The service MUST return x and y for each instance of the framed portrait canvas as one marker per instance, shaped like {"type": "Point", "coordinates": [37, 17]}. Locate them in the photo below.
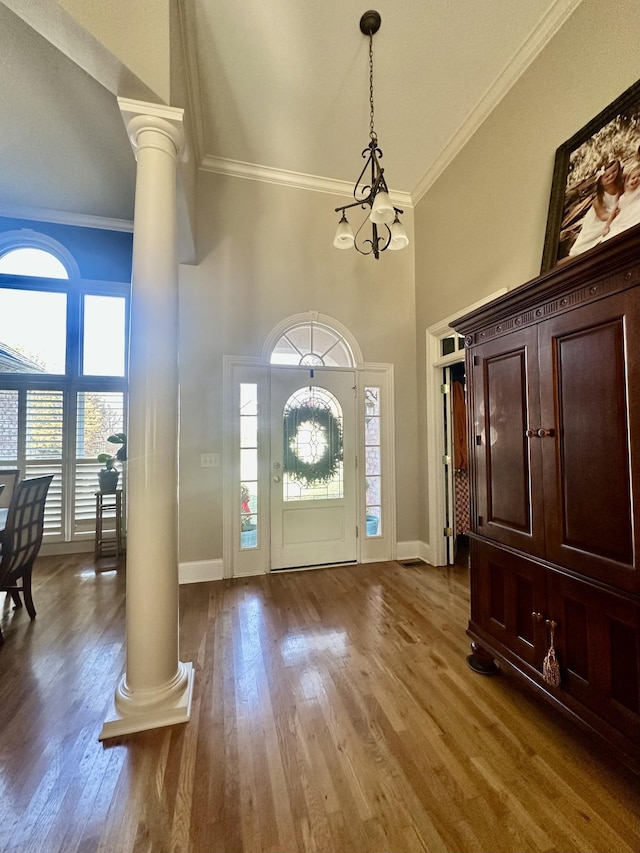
{"type": "Point", "coordinates": [595, 193]}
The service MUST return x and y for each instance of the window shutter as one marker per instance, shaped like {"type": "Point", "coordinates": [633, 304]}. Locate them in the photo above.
{"type": "Point", "coordinates": [8, 428]}
{"type": "Point", "coordinates": [43, 450]}
{"type": "Point", "coordinates": [99, 415]}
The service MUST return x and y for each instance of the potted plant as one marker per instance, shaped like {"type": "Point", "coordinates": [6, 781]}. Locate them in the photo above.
{"type": "Point", "coordinates": [108, 476]}
{"type": "Point", "coordinates": [248, 528]}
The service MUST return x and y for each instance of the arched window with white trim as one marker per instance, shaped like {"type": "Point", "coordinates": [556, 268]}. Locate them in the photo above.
{"type": "Point", "coordinates": [312, 340]}
{"type": "Point", "coordinates": [63, 381]}
{"type": "Point", "coordinates": [312, 345]}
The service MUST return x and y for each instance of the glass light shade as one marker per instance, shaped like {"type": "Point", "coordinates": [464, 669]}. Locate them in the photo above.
{"type": "Point", "coordinates": [399, 239]}
{"type": "Point", "coordinates": [382, 212]}
{"type": "Point", "coordinates": [344, 234]}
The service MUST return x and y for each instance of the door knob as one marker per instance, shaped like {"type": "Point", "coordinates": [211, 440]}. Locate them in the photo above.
{"type": "Point", "coordinates": [544, 433]}
{"type": "Point", "coordinates": [530, 433]}
{"type": "Point", "coordinates": [276, 479]}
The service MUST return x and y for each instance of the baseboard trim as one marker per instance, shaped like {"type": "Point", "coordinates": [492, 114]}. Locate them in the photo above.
{"type": "Point", "coordinates": [200, 571]}
{"type": "Point", "coordinates": [59, 549]}
{"type": "Point", "coordinates": [426, 553]}
{"type": "Point", "coordinates": [413, 550]}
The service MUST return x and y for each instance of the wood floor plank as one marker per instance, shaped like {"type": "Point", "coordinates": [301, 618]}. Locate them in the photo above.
{"type": "Point", "coordinates": [333, 711]}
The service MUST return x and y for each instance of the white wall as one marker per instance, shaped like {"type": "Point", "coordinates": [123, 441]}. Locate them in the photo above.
{"type": "Point", "coordinates": [481, 226]}
{"type": "Point", "coordinates": [137, 33]}
{"type": "Point", "coordinates": [266, 253]}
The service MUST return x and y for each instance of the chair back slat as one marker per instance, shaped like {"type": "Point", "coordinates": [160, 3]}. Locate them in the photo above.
{"type": "Point", "coordinates": [23, 531]}
{"type": "Point", "coordinates": [10, 477]}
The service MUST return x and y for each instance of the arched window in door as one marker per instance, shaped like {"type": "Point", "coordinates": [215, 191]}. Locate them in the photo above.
{"type": "Point", "coordinates": [312, 446]}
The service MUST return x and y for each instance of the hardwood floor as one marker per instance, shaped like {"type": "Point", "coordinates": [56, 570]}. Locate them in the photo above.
{"type": "Point", "coordinates": [333, 711]}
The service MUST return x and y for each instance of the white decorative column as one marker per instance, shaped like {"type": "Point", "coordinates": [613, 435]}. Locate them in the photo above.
{"type": "Point", "coordinates": [156, 688]}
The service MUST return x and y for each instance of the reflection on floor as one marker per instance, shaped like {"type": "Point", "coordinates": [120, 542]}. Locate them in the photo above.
{"type": "Point", "coordinates": [333, 710]}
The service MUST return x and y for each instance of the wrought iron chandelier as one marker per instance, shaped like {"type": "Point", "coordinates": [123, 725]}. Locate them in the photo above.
{"type": "Point", "coordinates": [387, 232]}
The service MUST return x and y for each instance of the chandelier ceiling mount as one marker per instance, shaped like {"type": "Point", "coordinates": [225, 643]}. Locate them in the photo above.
{"type": "Point", "coordinates": [370, 23]}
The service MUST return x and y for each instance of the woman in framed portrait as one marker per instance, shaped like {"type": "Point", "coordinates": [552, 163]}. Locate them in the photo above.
{"type": "Point", "coordinates": [627, 212]}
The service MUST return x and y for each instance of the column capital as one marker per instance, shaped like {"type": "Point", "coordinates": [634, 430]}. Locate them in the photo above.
{"type": "Point", "coordinates": [139, 116]}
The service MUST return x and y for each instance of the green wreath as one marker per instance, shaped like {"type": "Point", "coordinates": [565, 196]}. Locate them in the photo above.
{"type": "Point", "coordinates": [324, 469]}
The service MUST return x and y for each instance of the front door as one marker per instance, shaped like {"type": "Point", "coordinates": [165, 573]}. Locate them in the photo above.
{"type": "Point", "coordinates": [313, 467]}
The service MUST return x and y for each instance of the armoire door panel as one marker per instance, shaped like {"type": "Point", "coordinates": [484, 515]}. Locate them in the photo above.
{"type": "Point", "coordinates": [598, 648]}
{"type": "Point", "coordinates": [588, 464]}
{"type": "Point", "coordinates": [507, 460]}
{"type": "Point", "coordinates": [510, 590]}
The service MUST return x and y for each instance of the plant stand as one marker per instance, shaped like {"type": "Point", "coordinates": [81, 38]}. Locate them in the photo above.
{"type": "Point", "coordinates": [109, 539]}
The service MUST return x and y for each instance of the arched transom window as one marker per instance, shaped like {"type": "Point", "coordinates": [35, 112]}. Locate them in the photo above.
{"type": "Point", "coordinates": [29, 261]}
{"type": "Point", "coordinates": [312, 344]}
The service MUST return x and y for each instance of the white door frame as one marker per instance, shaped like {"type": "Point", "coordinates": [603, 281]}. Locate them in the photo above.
{"type": "Point", "coordinates": [435, 426]}
{"type": "Point", "coordinates": [239, 562]}
{"type": "Point", "coordinates": [447, 445]}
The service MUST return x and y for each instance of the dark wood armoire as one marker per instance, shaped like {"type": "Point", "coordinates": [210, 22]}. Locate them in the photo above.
{"type": "Point", "coordinates": [553, 379]}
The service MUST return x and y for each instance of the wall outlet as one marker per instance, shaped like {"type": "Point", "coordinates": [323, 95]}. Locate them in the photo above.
{"type": "Point", "coordinates": [209, 460]}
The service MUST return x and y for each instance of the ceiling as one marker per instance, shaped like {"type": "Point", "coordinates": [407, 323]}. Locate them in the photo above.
{"type": "Point", "coordinates": [280, 92]}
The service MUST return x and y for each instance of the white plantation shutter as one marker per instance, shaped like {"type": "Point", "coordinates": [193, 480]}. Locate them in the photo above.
{"type": "Point", "coordinates": [99, 414]}
{"type": "Point", "coordinates": [8, 428]}
{"type": "Point", "coordinates": [44, 434]}
{"type": "Point", "coordinates": [44, 427]}
{"type": "Point", "coordinates": [54, 507]}
{"type": "Point", "coordinates": [32, 430]}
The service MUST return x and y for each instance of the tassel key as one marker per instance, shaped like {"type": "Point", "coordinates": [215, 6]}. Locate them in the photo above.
{"type": "Point", "coordinates": [550, 665]}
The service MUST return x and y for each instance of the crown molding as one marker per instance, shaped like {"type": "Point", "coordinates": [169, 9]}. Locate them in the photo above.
{"type": "Point", "coordinates": [547, 27]}
{"type": "Point", "coordinates": [268, 175]}
{"type": "Point", "coordinates": [526, 53]}
{"type": "Point", "coordinates": [61, 217]}
{"type": "Point", "coordinates": [194, 116]}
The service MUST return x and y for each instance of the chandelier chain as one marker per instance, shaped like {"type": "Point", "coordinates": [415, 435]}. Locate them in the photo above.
{"type": "Point", "coordinates": [372, 133]}
{"type": "Point", "coordinates": [370, 190]}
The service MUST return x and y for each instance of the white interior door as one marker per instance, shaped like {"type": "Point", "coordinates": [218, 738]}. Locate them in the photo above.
{"type": "Point", "coordinates": [313, 467]}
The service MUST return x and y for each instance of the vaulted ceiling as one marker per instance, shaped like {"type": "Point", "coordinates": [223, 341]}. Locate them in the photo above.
{"type": "Point", "coordinates": [279, 92]}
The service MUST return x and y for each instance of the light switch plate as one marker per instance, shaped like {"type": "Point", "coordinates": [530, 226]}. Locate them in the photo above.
{"type": "Point", "coordinates": [209, 460]}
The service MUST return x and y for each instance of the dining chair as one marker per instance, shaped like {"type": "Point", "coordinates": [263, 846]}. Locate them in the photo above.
{"type": "Point", "coordinates": [9, 477]}
{"type": "Point", "coordinates": [22, 539]}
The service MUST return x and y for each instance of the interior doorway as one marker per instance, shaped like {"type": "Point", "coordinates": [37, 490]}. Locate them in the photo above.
{"type": "Point", "coordinates": [457, 505]}
{"type": "Point", "coordinates": [444, 348]}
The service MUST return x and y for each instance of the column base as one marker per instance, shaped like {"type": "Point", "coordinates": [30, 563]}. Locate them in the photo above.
{"type": "Point", "coordinates": [177, 710]}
